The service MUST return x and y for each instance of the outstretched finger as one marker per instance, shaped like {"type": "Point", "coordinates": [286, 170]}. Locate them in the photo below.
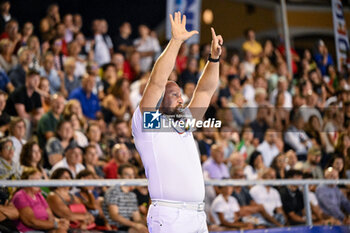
{"type": "Point", "coordinates": [184, 20]}
{"type": "Point", "coordinates": [171, 19]}
{"type": "Point", "coordinates": [213, 34]}
{"type": "Point", "coordinates": [178, 17]}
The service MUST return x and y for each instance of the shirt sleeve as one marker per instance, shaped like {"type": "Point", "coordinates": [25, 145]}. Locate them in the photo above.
{"type": "Point", "coordinates": [344, 202]}
{"type": "Point", "coordinates": [327, 204]}
{"type": "Point", "coordinates": [20, 201]}
{"type": "Point", "coordinates": [218, 206]}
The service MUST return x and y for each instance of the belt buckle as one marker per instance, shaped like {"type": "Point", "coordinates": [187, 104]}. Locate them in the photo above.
{"type": "Point", "coordinates": [200, 207]}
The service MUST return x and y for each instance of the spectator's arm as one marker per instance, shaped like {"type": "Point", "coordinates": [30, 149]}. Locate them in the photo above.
{"type": "Point", "coordinates": [344, 202]}
{"type": "Point", "coordinates": [10, 87]}
{"type": "Point", "coordinates": [114, 214]}
{"type": "Point", "coordinates": [330, 208]}
{"type": "Point", "coordinates": [165, 63]}
{"type": "Point", "coordinates": [21, 111]}
{"type": "Point", "coordinates": [295, 218]}
{"type": "Point", "coordinates": [8, 211]}
{"type": "Point", "coordinates": [27, 216]}
{"type": "Point", "coordinates": [235, 224]}
{"type": "Point", "coordinates": [208, 82]}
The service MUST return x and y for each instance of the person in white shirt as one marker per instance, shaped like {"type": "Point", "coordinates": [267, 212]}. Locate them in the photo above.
{"type": "Point", "coordinates": [268, 147]}
{"type": "Point", "coordinates": [102, 51]}
{"type": "Point", "coordinates": [17, 130]}
{"type": "Point", "coordinates": [269, 197]}
{"type": "Point", "coordinates": [72, 155]}
{"type": "Point", "coordinates": [171, 159]}
{"type": "Point", "coordinates": [225, 210]}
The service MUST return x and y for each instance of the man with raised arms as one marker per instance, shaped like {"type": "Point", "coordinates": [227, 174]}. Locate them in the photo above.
{"type": "Point", "coordinates": [171, 159]}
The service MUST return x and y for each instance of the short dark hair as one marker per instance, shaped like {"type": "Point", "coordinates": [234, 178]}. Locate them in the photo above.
{"type": "Point", "coordinates": [291, 173]}
{"type": "Point", "coordinates": [124, 166]}
{"type": "Point", "coordinates": [84, 173]}
{"type": "Point", "coordinates": [32, 72]}
{"type": "Point", "coordinates": [56, 174]}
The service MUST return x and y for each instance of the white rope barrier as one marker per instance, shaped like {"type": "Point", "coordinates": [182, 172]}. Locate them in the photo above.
{"type": "Point", "coordinates": [143, 182]}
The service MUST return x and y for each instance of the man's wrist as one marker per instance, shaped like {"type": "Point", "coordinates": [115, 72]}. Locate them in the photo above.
{"type": "Point", "coordinates": [213, 58]}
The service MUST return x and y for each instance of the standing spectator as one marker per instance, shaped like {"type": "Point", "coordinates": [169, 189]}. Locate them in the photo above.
{"type": "Point", "coordinates": [120, 156]}
{"type": "Point", "coordinates": [122, 42]}
{"type": "Point", "coordinates": [215, 166]}
{"type": "Point", "coordinates": [74, 49]}
{"type": "Point", "coordinates": [323, 58]}
{"type": "Point", "coordinates": [106, 37]}
{"type": "Point", "coordinates": [70, 27]}
{"type": "Point", "coordinates": [17, 131]}
{"type": "Point", "coordinates": [120, 205]}
{"type": "Point", "coordinates": [48, 23]}
{"type": "Point", "coordinates": [18, 74]}
{"type": "Point", "coordinates": [72, 156]}
{"type": "Point", "coordinates": [5, 14]}
{"type": "Point", "coordinates": [102, 52]}
{"type": "Point", "coordinates": [25, 101]}
{"type": "Point", "coordinates": [147, 46]}
{"type": "Point", "coordinates": [332, 201]}
{"type": "Point", "coordinates": [252, 46]}
{"type": "Point", "coordinates": [8, 169]}
{"type": "Point", "coordinates": [48, 122]}
{"type": "Point", "coordinates": [268, 147]}
{"type": "Point", "coordinates": [88, 100]}
{"type": "Point", "coordinates": [11, 33]}
{"type": "Point", "coordinates": [27, 32]}
{"type": "Point", "coordinates": [34, 212]}
{"type": "Point", "coordinates": [292, 199]}
{"type": "Point", "coordinates": [268, 196]}
{"type": "Point", "coordinates": [7, 59]}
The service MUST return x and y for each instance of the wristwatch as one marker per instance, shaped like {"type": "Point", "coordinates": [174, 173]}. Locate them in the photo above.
{"type": "Point", "coordinates": [55, 224]}
{"type": "Point", "coordinates": [212, 59]}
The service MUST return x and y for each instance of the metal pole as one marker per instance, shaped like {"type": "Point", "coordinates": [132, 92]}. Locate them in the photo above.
{"type": "Point", "coordinates": [307, 205]}
{"type": "Point", "coordinates": [286, 36]}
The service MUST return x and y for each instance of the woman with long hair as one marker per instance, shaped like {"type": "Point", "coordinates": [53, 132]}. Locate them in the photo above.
{"type": "Point", "coordinates": [31, 157]}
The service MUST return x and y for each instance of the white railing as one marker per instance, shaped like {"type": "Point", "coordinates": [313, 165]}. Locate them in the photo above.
{"type": "Point", "coordinates": [143, 182]}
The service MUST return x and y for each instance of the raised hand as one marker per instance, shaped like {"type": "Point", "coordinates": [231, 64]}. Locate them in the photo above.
{"type": "Point", "coordinates": [216, 44]}
{"type": "Point", "coordinates": [178, 27]}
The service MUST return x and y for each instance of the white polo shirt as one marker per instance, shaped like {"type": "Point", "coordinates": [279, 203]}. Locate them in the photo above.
{"type": "Point", "coordinates": [171, 162]}
{"type": "Point", "coordinates": [270, 199]}
{"type": "Point", "coordinates": [228, 208]}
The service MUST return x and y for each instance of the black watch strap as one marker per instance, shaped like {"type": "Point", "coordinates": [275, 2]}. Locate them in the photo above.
{"type": "Point", "coordinates": [212, 59]}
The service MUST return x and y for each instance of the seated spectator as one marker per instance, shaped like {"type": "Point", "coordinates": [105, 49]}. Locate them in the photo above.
{"type": "Point", "coordinates": [71, 81]}
{"type": "Point", "coordinates": [291, 159]}
{"type": "Point", "coordinates": [117, 103]}
{"type": "Point", "coordinates": [30, 157]}
{"type": "Point", "coordinates": [215, 166]}
{"type": "Point", "coordinates": [90, 159]}
{"type": "Point", "coordinates": [279, 165]}
{"type": "Point", "coordinates": [71, 160]}
{"type": "Point", "coordinates": [332, 201]}
{"type": "Point", "coordinates": [48, 122]}
{"type": "Point", "coordinates": [79, 132]}
{"type": "Point", "coordinates": [65, 205]}
{"type": "Point", "coordinates": [94, 134]}
{"type": "Point", "coordinates": [56, 45]}
{"type": "Point", "coordinates": [56, 145]}
{"type": "Point", "coordinates": [93, 71]}
{"type": "Point", "coordinates": [122, 42]}
{"type": "Point", "coordinates": [120, 155]}
{"type": "Point", "coordinates": [17, 131]}
{"type": "Point", "coordinates": [54, 76]}
{"type": "Point", "coordinates": [74, 49]}
{"type": "Point", "coordinates": [292, 199]}
{"type": "Point", "coordinates": [4, 117]}
{"type": "Point", "coordinates": [269, 197]}
{"type": "Point", "coordinates": [7, 59]}
{"type": "Point", "coordinates": [44, 91]}
{"type": "Point", "coordinates": [190, 74]}
{"type": "Point", "coordinates": [268, 147]}
{"type": "Point", "coordinates": [17, 74]}
{"type": "Point", "coordinates": [73, 106]}
{"type": "Point", "coordinates": [255, 167]}
{"type": "Point", "coordinates": [142, 194]}
{"type": "Point", "coordinates": [323, 58]}
{"type": "Point", "coordinates": [120, 205]}
{"type": "Point", "coordinates": [311, 165]}
{"type": "Point", "coordinates": [5, 84]}
{"type": "Point", "coordinates": [263, 121]}
{"type": "Point", "coordinates": [8, 213]}
{"type": "Point", "coordinates": [245, 146]}
{"type": "Point", "coordinates": [89, 197]}
{"type": "Point", "coordinates": [8, 168]}
{"type": "Point", "coordinates": [88, 100]}
{"type": "Point", "coordinates": [249, 209]}
{"type": "Point", "coordinates": [296, 138]}
{"type": "Point", "coordinates": [34, 212]}
{"type": "Point", "coordinates": [225, 210]}
{"type": "Point", "coordinates": [25, 101]}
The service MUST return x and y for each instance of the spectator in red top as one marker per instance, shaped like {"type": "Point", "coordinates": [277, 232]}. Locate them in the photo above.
{"type": "Point", "coordinates": [295, 57]}
{"type": "Point", "coordinates": [11, 33]}
{"type": "Point", "coordinates": [181, 60]}
{"type": "Point", "coordinates": [120, 155]}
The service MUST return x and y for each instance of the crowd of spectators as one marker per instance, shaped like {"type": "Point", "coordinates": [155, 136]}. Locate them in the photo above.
{"type": "Point", "coordinates": [66, 102]}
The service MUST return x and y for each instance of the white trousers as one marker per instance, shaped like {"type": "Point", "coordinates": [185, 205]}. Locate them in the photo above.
{"type": "Point", "coordinates": [175, 220]}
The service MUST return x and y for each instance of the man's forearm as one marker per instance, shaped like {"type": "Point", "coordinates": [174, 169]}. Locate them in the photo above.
{"type": "Point", "coordinates": [165, 63]}
{"type": "Point", "coordinates": [209, 80]}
